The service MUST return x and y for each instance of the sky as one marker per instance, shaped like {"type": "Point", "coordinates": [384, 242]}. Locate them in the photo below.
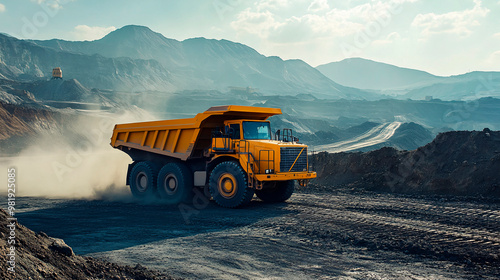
{"type": "Point", "coordinates": [445, 37]}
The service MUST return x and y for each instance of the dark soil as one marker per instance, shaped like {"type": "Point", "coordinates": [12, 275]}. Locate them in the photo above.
{"type": "Point", "coordinates": [455, 163]}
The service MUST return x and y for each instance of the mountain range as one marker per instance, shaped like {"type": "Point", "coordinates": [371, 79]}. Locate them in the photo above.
{"type": "Point", "coordinates": [406, 83]}
{"type": "Point", "coordinates": [137, 59]}
{"type": "Point", "coordinates": [134, 58]}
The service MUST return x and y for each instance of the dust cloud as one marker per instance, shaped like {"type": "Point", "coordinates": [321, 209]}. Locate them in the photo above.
{"type": "Point", "coordinates": [76, 163]}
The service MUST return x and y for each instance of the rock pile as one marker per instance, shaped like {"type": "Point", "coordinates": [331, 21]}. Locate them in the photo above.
{"type": "Point", "coordinates": [455, 163]}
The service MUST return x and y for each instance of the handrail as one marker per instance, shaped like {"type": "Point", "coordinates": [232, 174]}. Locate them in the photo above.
{"type": "Point", "coordinates": [247, 152]}
{"type": "Point", "coordinates": [287, 134]}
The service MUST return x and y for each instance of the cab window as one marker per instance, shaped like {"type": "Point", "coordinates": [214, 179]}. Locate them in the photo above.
{"type": "Point", "coordinates": [257, 130]}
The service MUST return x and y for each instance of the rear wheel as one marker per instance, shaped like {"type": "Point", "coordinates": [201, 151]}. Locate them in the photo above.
{"type": "Point", "coordinates": [281, 192]}
{"type": "Point", "coordinates": [142, 179]}
{"type": "Point", "coordinates": [175, 183]}
{"type": "Point", "coordinates": [228, 185]}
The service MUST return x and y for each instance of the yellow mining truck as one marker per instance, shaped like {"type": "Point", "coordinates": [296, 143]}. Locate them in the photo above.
{"type": "Point", "coordinates": [228, 150]}
{"type": "Point", "coordinates": [57, 73]}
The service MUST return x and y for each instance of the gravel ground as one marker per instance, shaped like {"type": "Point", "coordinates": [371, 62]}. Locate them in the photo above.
{"type": "Point", "coordinates": [317, 234]}
{"type": "Point", "coordinates": [29, 255]}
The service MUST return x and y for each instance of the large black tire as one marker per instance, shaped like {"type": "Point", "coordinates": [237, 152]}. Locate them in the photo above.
{"type": "Point", "coordinates": [175, 183]}
{"type": "Point", "coordinates": [281, 192]}
{"type": "Point", "coordinates": [228, 185]}
{"type": "Point", "coordinates": [142, 179]}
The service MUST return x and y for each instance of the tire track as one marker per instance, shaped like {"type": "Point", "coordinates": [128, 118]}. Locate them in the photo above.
{"type": "Point", "coordinates": [447, 231]}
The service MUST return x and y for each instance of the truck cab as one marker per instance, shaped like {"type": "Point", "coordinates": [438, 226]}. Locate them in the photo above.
{"type": "Point", "coordinates": [268, 156]}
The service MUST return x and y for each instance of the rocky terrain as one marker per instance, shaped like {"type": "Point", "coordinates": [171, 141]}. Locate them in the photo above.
{"type": "Point", "coordinates": [455, 163]}
{"type": "Point", "coordinates": [38, 256]}
{"type": "Point", "coordinates": [328, 233]}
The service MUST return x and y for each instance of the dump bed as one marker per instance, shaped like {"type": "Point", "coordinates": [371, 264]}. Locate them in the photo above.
{"type": "Point", "coordinates": [183, 138]}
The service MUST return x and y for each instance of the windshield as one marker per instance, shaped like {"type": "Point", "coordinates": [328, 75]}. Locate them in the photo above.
{"type": "Point", "coordinates": [256, 130]}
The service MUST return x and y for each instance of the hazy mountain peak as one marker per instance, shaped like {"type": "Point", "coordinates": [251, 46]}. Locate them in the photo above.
{"type": "Point", "coordinates": [135, 28]}
{"type": "Point", "coordinates": [368, 74]}
{"type": "Point", "coordinates": [134, 33]}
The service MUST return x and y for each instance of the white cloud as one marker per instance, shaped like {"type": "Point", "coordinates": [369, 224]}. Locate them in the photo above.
{"type": "Point", "coordinates": [318, 6]}
{"type": "Point", "coordinates": [332, 23]}
{"type": "Point", "coordinates": [2, 8]}
{"type": "Point", "coordinates": [53, 4]}
{"type": "Point", "coordinates": [258, 23]}
{"type": "Point", "coordinates": [457, 23]}
{"type": "Point", "coordinates": [265, 25]}
{"type": "Point", "coordinates": [89, 33]}
{"type": "Point", "coordinates": [264, 5]}
{"type": "Point", "coordinates": [497, 35]}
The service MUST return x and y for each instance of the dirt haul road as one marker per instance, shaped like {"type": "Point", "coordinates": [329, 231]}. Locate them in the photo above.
{"type": "Point", "coordinates": [374, 136]}
{"type": "Point", "coordinates": [316, 235]}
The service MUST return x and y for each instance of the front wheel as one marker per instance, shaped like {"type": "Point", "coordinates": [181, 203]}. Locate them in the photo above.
{"type": "Point", "coordinates": [281, 192]}
{"type": "Point", "coordinates": [228, 185]}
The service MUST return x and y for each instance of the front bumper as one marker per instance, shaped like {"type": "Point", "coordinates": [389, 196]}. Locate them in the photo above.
{"type": "Point", "coordinates": [285, 176]}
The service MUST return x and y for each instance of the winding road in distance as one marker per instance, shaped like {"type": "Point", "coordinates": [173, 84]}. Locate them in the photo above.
{"type": "Point", "coordinates": [374, 136]}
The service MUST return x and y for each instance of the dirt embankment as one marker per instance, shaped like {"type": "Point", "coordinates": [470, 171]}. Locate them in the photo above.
{"type": "Point", "coordinates": [10, 124]}
{"type": "Point", "coordinates": [455, 163]}
{"type": "Point", "coordinates": [38, 256]}
{"type": "Point", "coordinates": [20, 124]}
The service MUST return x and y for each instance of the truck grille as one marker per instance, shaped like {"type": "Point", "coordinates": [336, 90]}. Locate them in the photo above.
{"type": "Point", "coordinates": [288, 156]}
